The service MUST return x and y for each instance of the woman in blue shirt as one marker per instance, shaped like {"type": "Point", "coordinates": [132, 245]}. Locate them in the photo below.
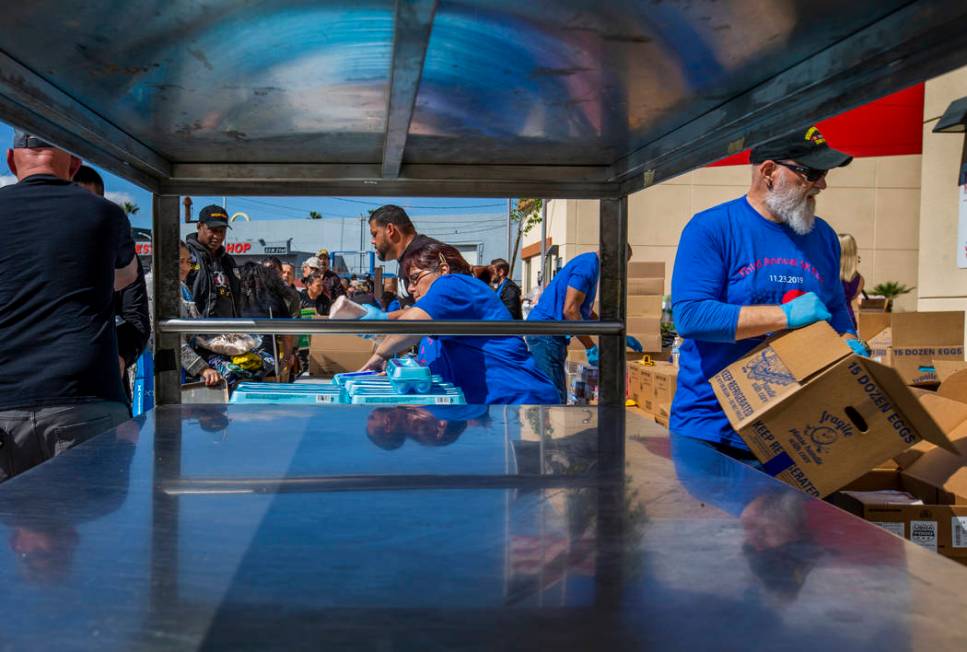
{"type": "Point", "coordinates": [488, 369]}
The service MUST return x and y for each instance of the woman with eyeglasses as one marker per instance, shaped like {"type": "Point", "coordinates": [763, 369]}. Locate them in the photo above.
{"type": "Point", "coordinates": [489, 369]}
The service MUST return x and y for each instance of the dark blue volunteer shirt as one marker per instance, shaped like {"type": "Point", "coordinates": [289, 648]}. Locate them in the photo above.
{"type": "Point", "coordinates": [487, 369]}
{"type": "Point", "coordinates": [59, 247]}
{"type": "Point", "coordinates": [582, 275]}
{"type": "Point", "coordinates": [728, 257]}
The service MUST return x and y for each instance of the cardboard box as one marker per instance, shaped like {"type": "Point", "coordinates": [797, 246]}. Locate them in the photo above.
{"type": "Point", "coordinates": [881, 346]}
{"type": "Point", "coordinates": [336, 354]}
{"type": "Point", "coordinates": [947, 368]}
{"type": "Point", "coordinates": [646, 390]}
{"type": "Point", "coordinates": [954, 386]}
{"type": "Point", "coordinates": [650, 342]}
{"type": "Point", "coordinates": [666, 382]}
{"type": "Point", "coordinates": [818, 416]}
{"type": "Point", "coordinates": [939, 523]}
{"type": "Point", "coordinates": [646, 286]}
{"type": "Point", "coordinates": [646, 269]}
{"type": "Point", "coordinates": [644, 306]}
{"type": "Point", "coordinates": [871, 324]}
{"type": "Point", "coordinates": [650, 325]}
{"type": "Point", "coordinates": [919, 338]}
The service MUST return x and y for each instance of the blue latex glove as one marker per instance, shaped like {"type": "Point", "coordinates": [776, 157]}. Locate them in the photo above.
{"type": "Point", "coordinates": [373, 313]}
{"type": "Point", "coordinates": [805, 310]}
{"type": "Point", "coordinates": [634, 344]}
{"type": "Point", "coordinates": [593, 355]}
{"type": "Point", "coordinates": [858, 348]}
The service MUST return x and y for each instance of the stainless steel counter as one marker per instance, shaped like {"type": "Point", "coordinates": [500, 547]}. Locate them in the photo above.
{"type": "Point", "coordinates": [205, 527]}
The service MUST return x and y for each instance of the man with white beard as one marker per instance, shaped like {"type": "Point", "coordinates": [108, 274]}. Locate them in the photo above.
{"type": "Point", "coordinates": [750, 267]}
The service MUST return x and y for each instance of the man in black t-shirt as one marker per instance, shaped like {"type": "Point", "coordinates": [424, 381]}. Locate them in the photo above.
{"type": "Point", "coordinates": [213, 278]}
{"type": "Point", "coordinates": [59, 378]}
{"type": "Point", "coordinates": [395, 238]}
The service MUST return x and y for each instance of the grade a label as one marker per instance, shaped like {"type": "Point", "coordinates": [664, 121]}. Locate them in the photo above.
{"type": "Point", "coordinates": [958, 530]}
{"type": "Point", "coordinates": [924, 533]}
{"type": "Point", "coordinates": [894, 528]}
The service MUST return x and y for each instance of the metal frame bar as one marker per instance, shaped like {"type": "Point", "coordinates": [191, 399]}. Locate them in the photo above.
{"type": "Point", "coordinates": [322, 484]}
{"type": "Point", "coordinates": [921, 40]}
{"type": "Point", "coordinates": [558, 181]}
{"type": "Point", "coordinates": [34, 103]}
{"type": "Point", "coordinates": [167, 295]}
{"type": "Point", "coordinates": [394, 327]}
{"type": "Point", "coordinates": [613, 228]}
{"type": "Point", "coordinates": [414, 20]}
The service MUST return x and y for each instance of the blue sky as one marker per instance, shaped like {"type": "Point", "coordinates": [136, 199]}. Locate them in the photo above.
{"type": "Point", "coordinates": [269, 208]}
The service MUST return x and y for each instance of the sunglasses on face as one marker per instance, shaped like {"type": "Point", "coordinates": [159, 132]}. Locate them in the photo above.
{"type": "Point", "coordinates": [812, 175]}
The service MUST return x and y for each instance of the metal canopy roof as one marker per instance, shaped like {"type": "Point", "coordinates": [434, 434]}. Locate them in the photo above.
{"type": "Point", "coordinates": [567, 98]}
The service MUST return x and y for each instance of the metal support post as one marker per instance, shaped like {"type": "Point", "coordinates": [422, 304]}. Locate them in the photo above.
{"type": "Point", "coordinates": [614, 273]}
{"type": "Point", "coordinates": [541, 276]}
{"type": "Point", "coordinates": [167, 294]}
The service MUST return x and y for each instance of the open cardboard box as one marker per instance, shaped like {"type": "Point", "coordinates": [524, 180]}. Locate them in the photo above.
{"type": "Point", "coordinates": [920, 338]}
{"type": "Point", "coordinates": [936, 477]}
{"type": "Point", "coordinates": [818, 416]}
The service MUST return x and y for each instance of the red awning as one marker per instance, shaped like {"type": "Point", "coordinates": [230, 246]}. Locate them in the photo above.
{"type": "Point", "coordinates": [890, 126]}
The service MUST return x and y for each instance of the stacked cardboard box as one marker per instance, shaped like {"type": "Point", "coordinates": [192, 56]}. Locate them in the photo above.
{"type": "Point", "coordinates": [666, 382]}
{"type": "Point", "coordinates": [652, 387]}
{"type": "Point", "coordinates": [818, 416]}
{"type": "Point", "coordinates": [646, 287]}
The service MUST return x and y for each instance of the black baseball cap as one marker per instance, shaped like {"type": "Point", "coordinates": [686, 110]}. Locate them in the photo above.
{"type": "Point", "coordinates": [213, 216]}
{"type": "Point", "coordinates": [804, 146]}
{"type": "Point", "coordinates": [23, 140]}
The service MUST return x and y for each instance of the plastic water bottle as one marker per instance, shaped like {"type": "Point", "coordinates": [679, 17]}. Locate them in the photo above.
{"type": "Point", "coordinates": [676, 346]}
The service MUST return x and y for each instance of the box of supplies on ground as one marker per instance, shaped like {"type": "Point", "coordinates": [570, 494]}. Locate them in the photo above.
{"type": "Point", "coordinates": [666, 382]}
{"type": "Point", "coordinates": [818, 416]}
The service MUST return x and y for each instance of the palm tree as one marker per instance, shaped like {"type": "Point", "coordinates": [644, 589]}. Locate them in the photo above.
{"type": "Point", "coordinates": [890, 291]}
{"type": "Point", "coordinates": [130, 208]}
{"type": "Point", "coordinates": [315, 215]}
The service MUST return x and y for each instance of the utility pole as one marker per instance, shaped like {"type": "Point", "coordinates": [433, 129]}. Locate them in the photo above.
{"type": "Point", "coordinates": [509, 245]}
{"type": "Point", "coordinates": [540, 274]}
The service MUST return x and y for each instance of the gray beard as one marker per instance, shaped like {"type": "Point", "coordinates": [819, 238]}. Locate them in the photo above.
{"type": "Point", "coordinates": [797, 212]}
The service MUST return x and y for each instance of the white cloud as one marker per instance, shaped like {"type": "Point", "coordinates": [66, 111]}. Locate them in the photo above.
{"type": "Point", "coordinates": [7, 180]}
{"type": "Point", "coordinates": [119, 197]}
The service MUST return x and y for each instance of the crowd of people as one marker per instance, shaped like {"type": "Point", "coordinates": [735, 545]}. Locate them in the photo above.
{"type": "Point", "coordinates": [760, 264]}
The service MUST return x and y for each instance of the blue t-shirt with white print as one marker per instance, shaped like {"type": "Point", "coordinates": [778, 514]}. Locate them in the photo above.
{"type": "Point", "coordinates": [730, 256]}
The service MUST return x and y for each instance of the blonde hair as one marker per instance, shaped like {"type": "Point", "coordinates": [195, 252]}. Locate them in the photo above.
{"type": "Point", "coordinates": [848, 257]}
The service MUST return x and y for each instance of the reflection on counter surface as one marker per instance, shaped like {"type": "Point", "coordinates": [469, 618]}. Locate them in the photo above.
{"type": "Point", "coordinates": [360, 528]}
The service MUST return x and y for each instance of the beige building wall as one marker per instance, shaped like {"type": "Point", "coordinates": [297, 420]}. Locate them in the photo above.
{"type": "Point", "coordinates": [875, 199]}
{"type": "Point", "coordinates": [943, 286]}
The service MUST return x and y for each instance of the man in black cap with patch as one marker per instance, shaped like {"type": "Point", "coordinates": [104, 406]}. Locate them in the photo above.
{"type": "Point", "coordinates": [213, 279]}
{"type": "Point", "coordinates": [753, 266]}
{"type": "Point", "coordinates": [60, 383]}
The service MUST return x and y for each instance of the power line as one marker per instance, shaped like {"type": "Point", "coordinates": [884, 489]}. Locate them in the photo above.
{"type": "Point", "coordinates": [302, 212]}
{"type": "Point", "coordinates": [372, 203]}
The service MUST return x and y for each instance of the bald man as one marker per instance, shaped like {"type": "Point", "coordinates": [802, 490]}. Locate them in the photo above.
{"type": "Point", "coordinates": [65, 251]}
